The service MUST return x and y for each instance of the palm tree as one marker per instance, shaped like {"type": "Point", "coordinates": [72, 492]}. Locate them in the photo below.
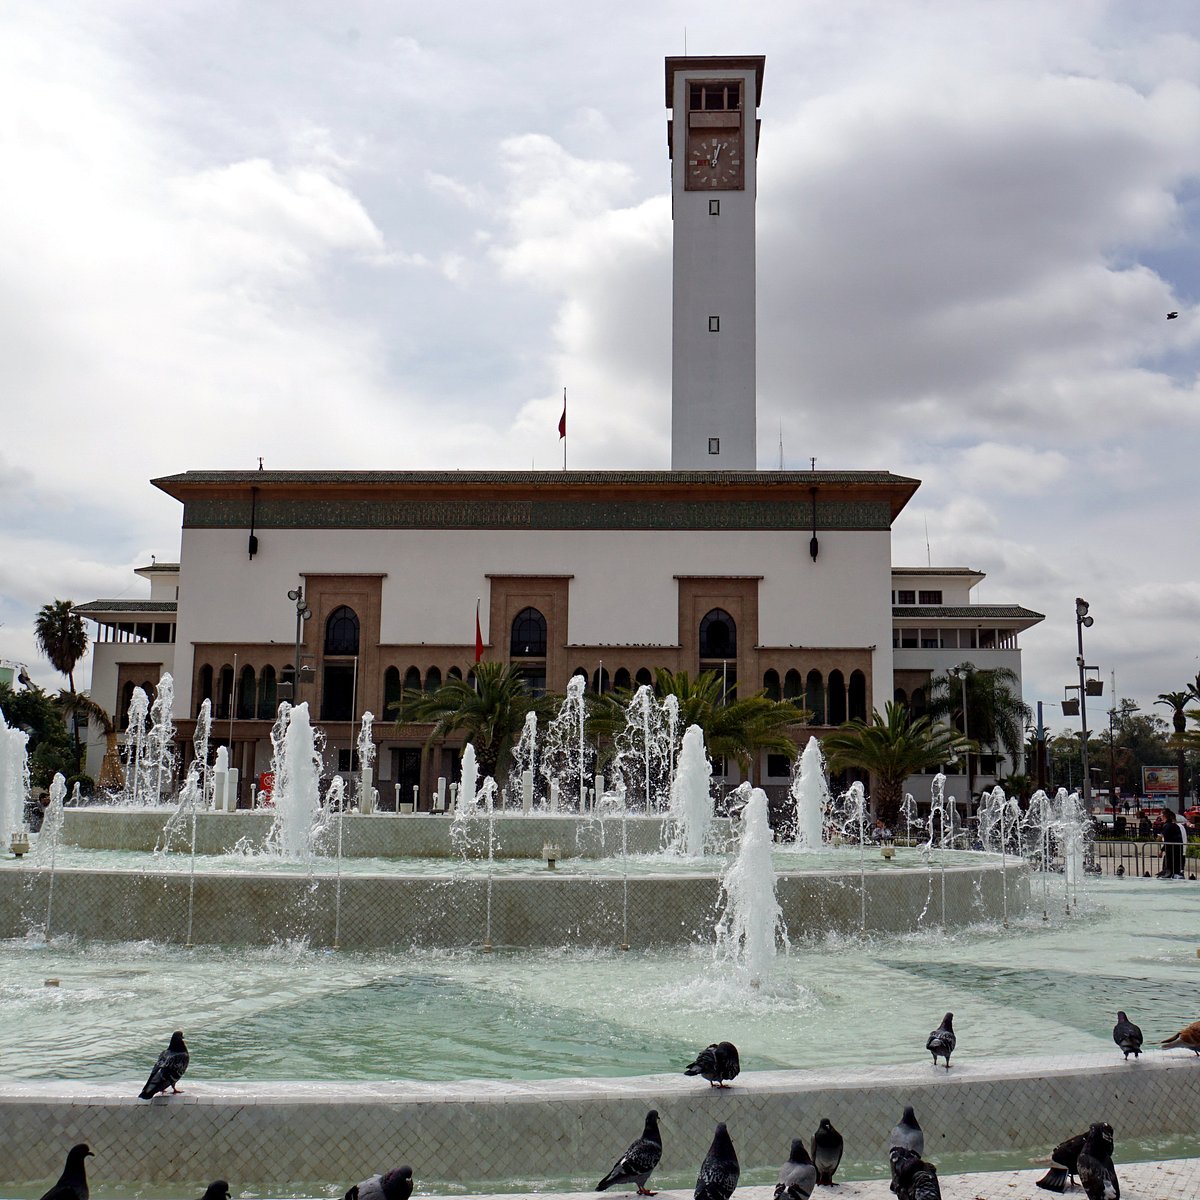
{"type": "Point", "coordinates": [740, 729]}
{"type": "Point", "coordinates": [1177, 702]}
{"type": "Point", "coordinates": [62, 638]}
{"type": "Point", "coordinates": [490, 710]}
{"type": "Point", "coordinates": [996, 715]}
{"type": "Point", "coordinates": [111, 777]}
{"type": "Point", "coordinates": [892, 747]}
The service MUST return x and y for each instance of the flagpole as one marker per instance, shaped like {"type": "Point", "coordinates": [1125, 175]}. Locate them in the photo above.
{"type": "Point", "coordinates": [564, 428]}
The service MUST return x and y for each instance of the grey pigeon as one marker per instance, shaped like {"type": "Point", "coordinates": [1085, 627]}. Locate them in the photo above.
{"type": "Point", "coordinates": [716, 1063]}
{"type": "Point", "coordinates": [1096, 1171]}
{"type": "Point", "coordinates": [827, 1146]}
{"type": "Point", "coordinates": [1064, 1160]}
{"type": "Point", "coordinates": [797, 1176]}
{"type": "Point", "coordinates": [942, 1040]}
{"type": "Point", "coordinates": [72, 1183]}
{"type": "Point", "coordinates": [719, 1171]}
{"type": "Point", "coordinates": [168, 1070]}
{"type": "Point", "coordinates": [217, 1190]}
{"type": "Point", "coordinates": [1127, 1035]}
{"type": "Point", "coordinates": [395, 1185]}
{"type": "Point", "coordinates": [639, 1161]}
{"type": "Point", "coordinates": [907, 1132]}
{"type": "Point", "coordinates": [912, 1177]}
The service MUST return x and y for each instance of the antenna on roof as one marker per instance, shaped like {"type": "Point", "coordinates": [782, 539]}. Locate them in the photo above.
{"type": "Point", "coordinates": [781, 444]}
{"type": "Point", "coordinates": [928, 552]}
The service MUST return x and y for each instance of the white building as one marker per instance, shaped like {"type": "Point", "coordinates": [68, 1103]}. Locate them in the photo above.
{"type": "Point", "coordinates": [781, 580]}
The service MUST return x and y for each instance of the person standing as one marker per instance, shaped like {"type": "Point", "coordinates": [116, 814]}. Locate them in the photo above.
{"type": "Point", "coordinates": [1172, 838]}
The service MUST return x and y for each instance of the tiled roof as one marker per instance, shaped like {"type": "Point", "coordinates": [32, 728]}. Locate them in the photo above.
{"type": "Point", "coordinates": [573, 478]}
{"type": "Point", "coordinates": [937, 571]}
{"type": "Point", "coordinates": [126, 606]}
{"type": "Point", "coordinates": [958, 612]}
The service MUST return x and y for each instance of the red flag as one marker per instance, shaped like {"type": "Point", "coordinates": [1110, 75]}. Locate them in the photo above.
{"type": "Point", "coordinates": [562, 421]}
{"type": "Point", "coordinates": [478, 635]}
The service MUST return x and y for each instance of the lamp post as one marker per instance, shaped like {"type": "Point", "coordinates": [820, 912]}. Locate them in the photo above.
{"type": "Point", "coordinates": [1082, 619]}
{"type": "Point", "coordinates": [960, 673]}
{"type": "Point", "coordinates": [303, 613]}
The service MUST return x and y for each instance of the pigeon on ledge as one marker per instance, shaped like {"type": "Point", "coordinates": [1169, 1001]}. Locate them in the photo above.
{"type": "Point", "coordinates": [637, 1163]}
{"type": "Point", "coordinates": [797, 1176]}
{"type": "Point", "coordinates": [72, 1183]}
{"type": "Point", "coordinates": [827, 1146]}
{"type": "Point", "coordinates": [1064, 1164]}
{"type": "Point", "coordinates": [942, 1040]}
{"type": "Point", "coordinates": [217, 1190]}
{"type": "Point", "coordinates": [1096, 1170]}
{"type": "Point", "coordinates": [907, 1133]}
{"type": "Point", "coordinates": [912, 1177]}
{"type": "Point", "coordinates": [1188, 1038]}
{"type": "Point", "coordinates": [395, 1185]}
{"type": "Point", "coordinates": [1127, 1035]}
{"type": "Point", "coordinates": [719, 1171]}
{"type": "Point", "coordinates": [716, 1063]}
{"type": "Point", "coordinates": [168, 1070]}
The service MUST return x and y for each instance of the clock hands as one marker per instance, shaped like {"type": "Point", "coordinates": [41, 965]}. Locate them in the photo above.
{"type": "Point", "coordinates": [717, 148]}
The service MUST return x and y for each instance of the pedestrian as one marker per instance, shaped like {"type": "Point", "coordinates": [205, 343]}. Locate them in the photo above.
{"type": "Point", "coordinates": [1172, 851]}
{"type": "Point", "coordinates": [1145, 829]}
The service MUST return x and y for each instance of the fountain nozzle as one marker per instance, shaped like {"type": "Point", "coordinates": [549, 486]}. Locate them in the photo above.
{"type": "Point", "coordinates": [19, 842]}
{"type": "Point", "coordinates": [551, 852]}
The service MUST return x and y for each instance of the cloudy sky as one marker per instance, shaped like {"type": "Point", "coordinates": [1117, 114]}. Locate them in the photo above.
{"type": "Point", "coordinates": [386, 235]}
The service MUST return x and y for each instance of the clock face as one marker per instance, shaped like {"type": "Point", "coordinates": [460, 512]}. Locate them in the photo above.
{"type": "Point", "coordinates": [714, 159]}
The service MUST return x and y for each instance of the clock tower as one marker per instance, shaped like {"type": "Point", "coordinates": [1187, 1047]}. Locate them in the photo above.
{"type": "Point", "coordinates": [712, 137]}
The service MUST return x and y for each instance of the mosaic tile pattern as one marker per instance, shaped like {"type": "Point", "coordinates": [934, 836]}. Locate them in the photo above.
{"type": "Point", "coordinates": [273, 1134]}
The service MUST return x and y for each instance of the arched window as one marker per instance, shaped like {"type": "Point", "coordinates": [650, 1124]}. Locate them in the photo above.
{"type": "Point", "coordinates": [718, 635]}
{"type": "Point", "coordinates": [528, 638]}
{"type": "Point", "coordinates": [814, 697]}
{"type": "Point", "coordinates": [771, 685]}
{"type": "Point", "coordinates": [643, 676]}
{"type": "Point", "coordinates": [858, 696]}
{"type": "Point", "coordinates": [412, 680]}
{"type": "Point", "coordinates": [392, 691]}
{"type": "Point", "coordinates": [580, 672]}
{"type": "Point", "coordinates": [622, 680]}
{"type": "Point", "coordinates": [127, 698]}
{"type": "Point", "coordinates": [287, 681]}
{"type": "Point", "coordinates": [206, 689]}
{"type": "Point", "coordinates": [454, 673]}
{"type": "Point", "coordinates": [246, 695]}
{"type": "Point", "coordinates": [600, 681]}
{"type": "Point", "coordinates": [837, 698]}
{"type": "Point", "coordinates": [268, 700]}
{"type": "Point", "coordinates": [341, 631]}
{"type": "Point", "coordinates": [916, 702]}
{"type": "Point", "coordinates": [433, 679]}
{"type": "Point", "coordinates": [793, 686]}
{"type": "Point", "coordinates": [224, 694]}
{"type": "Point", "coordinates": [900, 696]}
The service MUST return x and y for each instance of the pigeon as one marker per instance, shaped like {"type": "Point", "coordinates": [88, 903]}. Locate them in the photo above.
{"type": "Point", "coordinates": [395, 1185]}
{"type": "Point", "coordinates": [168, 1070]}
{"type": "Point", "coordinates": [1064, 1161]}
{"type": "Point", "coordinates": [912, 1177]}
{"type": "Point", "coordinates": [719, 1171]}
{"type": "Point", "coordinates": [1188, 1037]}
{"type": "Point", "coordinates": [797, 1176]}
{"type": "Point", "coordinates": [907, 1133]}
{"type": "Point", "coordinates": [72, 1183]}
{"type": "Point", "coordinates": [637, 1163]}
{"type": "Point", "coordinates": [717, 1063]}
{"type": "Point", "coordinates": [826, 1151]}
{"type": "Point", "coordinates": [1172, 315]}
{"type": "Point", "coordinates": [1096, 1171]}
{"type": "Point", "coordinates": [1127, 1035]}
{"type": "Point", "coordinates": [217, 1190]}
{"type": "Point", "coordinates": [942, 1040]}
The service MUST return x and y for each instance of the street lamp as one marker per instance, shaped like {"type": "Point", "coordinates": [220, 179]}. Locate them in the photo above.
{"type": "Point", "coordinates": [1082, 619]}
{"type": "Point", "coordinates": [960, 673]}
{"type": "Point", "coordinates": [303, 613]}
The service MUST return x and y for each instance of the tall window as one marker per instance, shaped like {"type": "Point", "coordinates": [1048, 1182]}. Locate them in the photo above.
{"type": "Point", "coordinates": [718, 635]}
{"type": "Point", "coordinates": [528, 635]}
{"type": "Point", "coordinates": [392, 691]}
{"type": "Point", "coordinates": [245, 695]}
{"type": "Point", "coordinates": [837, 698]}
{"type": "Point", "coordinates": [622, 679]}
{"type": "Point", "coordinates": [433, 679]}
{"type": "Point", "coordinates": [793, 686]}
{"type": "Point", "coordinates": [267, 701]}
{"type": "Point", "coordinates": [771, 685]}
{"type": "Point", "coordinates": [341, 632]}
{"type": "Point", "coordinates": [814, 697]}
{"type": "Point", "coordinates": [858, 696]}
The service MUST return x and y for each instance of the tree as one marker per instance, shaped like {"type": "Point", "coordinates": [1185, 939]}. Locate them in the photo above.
{"type": "Point", "coordinates": [892, 747]}
{"type": "Point", "coordinates": [996, 715]}
{"type": "Point", "coordinates": [490, 710]}
{"type": "Point", "coordinates": [49, 746]}
{"type": "Point", "coordinates": [1178, 702]}
{"type": "Point", "coordinates": [111, 777]}
{"type": "Point", "coordinates": [741, 729]}
{"type": "Point", "coordinates": [62, 638]}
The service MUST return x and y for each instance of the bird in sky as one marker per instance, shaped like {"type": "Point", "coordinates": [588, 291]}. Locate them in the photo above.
{"type": "Point", "coordinates": [169, 1068]}
{"type": "Point", "coordinates": [639, 1161]}
{"type": "Point", "coordinates": [1172, 315]}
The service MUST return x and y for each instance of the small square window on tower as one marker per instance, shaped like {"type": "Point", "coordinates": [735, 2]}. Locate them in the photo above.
{"type": "Point", "coordinates": [714, 445]}
{"type": "Point", "coordinates": [714, 207]}
{"type": "Point", "coordinates": [714, 324]}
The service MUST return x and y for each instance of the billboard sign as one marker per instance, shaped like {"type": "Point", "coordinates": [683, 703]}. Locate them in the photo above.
{"type": "Point", "coordinates": [1160, 781]}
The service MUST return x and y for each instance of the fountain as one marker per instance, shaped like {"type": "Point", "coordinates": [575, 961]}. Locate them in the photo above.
{"type": "Point", "coordinates": [296, 764]}
{"type": "Point", "coordinates": [518, 792]}
{"type": "Point", "coordinates": [567, 756]}
{"type": "Point", "coordinates": [691, 808]}
{"type": "Point", "coordinates": [644, 750]}
{"type": "Point", "coordinates": [135, 745]}
{"type": "Point", "coordinates": [14, 781]}
{"type": "Point", "coordinates": [366, 765]}
{"type": "Point", "coordinates": [811, 794]}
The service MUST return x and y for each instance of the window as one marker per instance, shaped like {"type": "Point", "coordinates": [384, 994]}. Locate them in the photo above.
{"type": "Point", "coordinates": [341, 632]}
{"type": "Point", "coordinates": [622, 680]}
{"type": "Point", "coordinates": [714, 445]}
{"type": "Point", "coordinates": [347, 758]}
{"type": "Point", "coordinates": [392, 691]}
{"type": "Point", "coordinates": [718, 635]}
{"type": "Point", "coordinates": [224, 694]}
{"type": "Point", "coordinates": [793, 686]}
{"type": "Point", "coordinates": [722, 96]}
{"type": "Point", "coordinates": [934, 597]}
{"type": "Point", "coordinates": [246, 695]}
{"type": "Point", "coordinates": [858, 696]}
{"type": "Point", "coordinates": [903, 597]}
{"type": "Point", "coordinates": [771, 685]}
{"type": "Point", "coordinates": [600, 681]}
{"type": "Point", "coordinates": [267, 702]}
{"type": "Point", "coordinates": [987, 639]}
{"type": "Point", "coordinates": [337, 692]}
{"type": "Point", "coordinates": [778, 766]}
{"type": "Point", "coordinates": [714, 207]}
{"type": "Point", "coordinates": [528, 638]}
{"type": "Point", "coordinates": [837, 698]}
{"type": "Point", "coordinates": [814, 697]}
{"type": "Point", "coordinates": [412, 679]}
{"type": "Point", "coordinates": [930, 640]}
{"type": "Point", "coordinates": [433, 679]}
{"type": "Point", "coordinates": [643, 677]}
{"type": "Point", "coordinates": [534, 676]}
{"type": "Point", "coordinates": [714, 324]}
{"type": "Point", "coordinates": [908, 639]}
